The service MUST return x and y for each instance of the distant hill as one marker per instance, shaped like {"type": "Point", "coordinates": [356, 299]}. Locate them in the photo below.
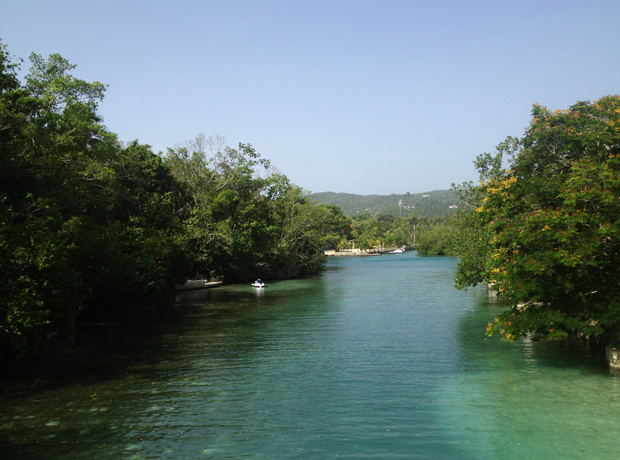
{"type": "Point", "coordinates": [430, 204]}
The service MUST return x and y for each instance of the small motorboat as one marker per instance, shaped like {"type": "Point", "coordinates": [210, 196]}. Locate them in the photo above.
{"type": "Point", "coordinates": [259, 284]}
{"type": "Point", "coordinates": [395, 251]}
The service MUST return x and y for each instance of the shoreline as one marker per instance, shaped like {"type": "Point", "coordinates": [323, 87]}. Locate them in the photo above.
{"type": "Point", "coordinates": [360, 252]}
{"type": "Point", "coordinates": [191, 285]}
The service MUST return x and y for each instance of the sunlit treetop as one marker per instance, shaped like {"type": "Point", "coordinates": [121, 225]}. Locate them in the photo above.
{"type": "Point", "coordinates": [555, 220]}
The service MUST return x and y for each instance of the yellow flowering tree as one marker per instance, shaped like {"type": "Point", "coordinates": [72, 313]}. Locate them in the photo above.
{"type": "Point", "coordinates": [555, 224]}
{"type": "Point", "coordinates": [471, 237]}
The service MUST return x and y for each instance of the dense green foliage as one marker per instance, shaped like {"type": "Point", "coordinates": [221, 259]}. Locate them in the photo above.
{"type": "Point", "coordinates": [239, 224]}
{"type": "Point", "coordinates": [471, 238]}
{"type": "Point", "coordinates": [436, 238]}
{"type": "Point", "coordinates": [386, 231]}
{"type": "Point", "coordinates": [429, 204]}
{"type": "Point", "coordinates": [88, 224]}
{"type": "Point", "coordinates": [83, 221]}
{"type": "Point", "coordinates": [420, 220]}
{"type": "Point", "coordinates": [554, 222]}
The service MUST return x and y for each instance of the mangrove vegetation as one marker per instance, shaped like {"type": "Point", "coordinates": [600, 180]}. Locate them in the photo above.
{"type": "Point", "coordinates": [91, 225]}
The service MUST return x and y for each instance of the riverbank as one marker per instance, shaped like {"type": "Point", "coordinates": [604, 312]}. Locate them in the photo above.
{"type": "Point", "coordinates": [351, 252]}
{"type": "Point", "coordinates": [360, 252]}
{"type": "Point", "coordinates": [191, 285]}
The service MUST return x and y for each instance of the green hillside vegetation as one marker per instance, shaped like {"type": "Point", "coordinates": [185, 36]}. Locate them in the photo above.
{"type": "Point", "coordinates": [429, 235]}
{"type": "Point", "coordinates": [428, 204]}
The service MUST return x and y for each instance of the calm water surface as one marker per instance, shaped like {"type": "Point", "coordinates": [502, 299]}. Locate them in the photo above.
{"type": "Point", "coordinates": [378, 358]}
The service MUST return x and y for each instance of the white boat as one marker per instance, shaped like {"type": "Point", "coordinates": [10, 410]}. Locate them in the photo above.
{"type": "Point", "coordinates": [395, 251]}
{"type": "Point", "coordinates": [259, 284]}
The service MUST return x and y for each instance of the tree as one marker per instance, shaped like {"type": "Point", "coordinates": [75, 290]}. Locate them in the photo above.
{"type": "Point", "coordinates": [221, 201]}
{"type": "Point", "coordinates": [239, 224]}
{"type": "Point", "coordinates": [471, 237]}
{"type": "Point", "coordinates": [555, 221]}
{"type": "Point", "coordinates": [435, 239]}
{"type": "Point", "coordinates": [299, 229]}
{"type": "Point", "coordinates": [336, 228]}
{"type": "Point", "coordinates": [89, 225]}
{"type": "Point", "coordinates": [131, 239]}
{"type": "Point", "coordinates": [49, 150]}
{"type": "Point", "coordinates": [83, 222]}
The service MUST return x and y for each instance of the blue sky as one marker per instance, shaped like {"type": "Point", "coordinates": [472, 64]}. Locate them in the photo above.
{"type": "Point", "coordinates": [367, 97]}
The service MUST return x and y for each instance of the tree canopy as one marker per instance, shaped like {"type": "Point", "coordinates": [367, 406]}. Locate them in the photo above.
{"type": "Point", "coordinates": [82, 220]}
{"type": "Point", "coordinates": [554, 223]}
{"type": "Point", "coordinates": [92, 225]}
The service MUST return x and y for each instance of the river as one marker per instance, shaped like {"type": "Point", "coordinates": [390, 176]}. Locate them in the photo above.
{"type": "Point", "coordinates": [379, 357]}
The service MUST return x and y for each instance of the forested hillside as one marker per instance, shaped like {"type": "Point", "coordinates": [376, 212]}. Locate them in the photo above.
{"type": "Point", "coordinates": [428, 204]}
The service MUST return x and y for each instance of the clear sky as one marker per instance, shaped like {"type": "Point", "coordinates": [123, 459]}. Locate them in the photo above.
{"type": "Point", "coordinates": [367, 97]}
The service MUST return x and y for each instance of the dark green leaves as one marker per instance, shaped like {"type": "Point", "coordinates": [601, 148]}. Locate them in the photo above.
{"type": "Point", "coordinates": [555, 220]}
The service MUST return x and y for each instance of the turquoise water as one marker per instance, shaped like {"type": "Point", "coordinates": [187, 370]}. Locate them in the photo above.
{"type": "Point", "coordinates": [379, 358]}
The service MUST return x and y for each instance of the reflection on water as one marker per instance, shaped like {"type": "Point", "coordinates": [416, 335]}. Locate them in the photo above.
{"type": "Point", "coordinates": [530, 400]}
{"type": "Point", "coordinates": [378, 358]}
